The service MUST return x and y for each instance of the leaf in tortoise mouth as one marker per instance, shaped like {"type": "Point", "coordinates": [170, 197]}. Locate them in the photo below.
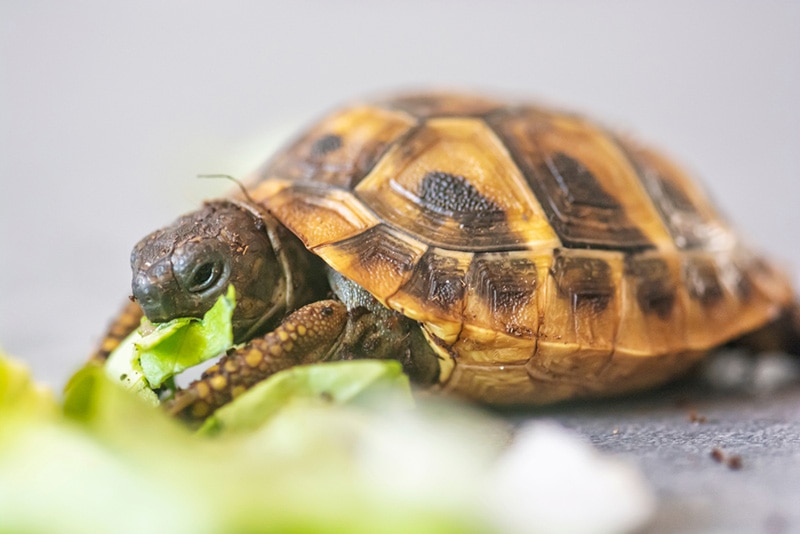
{"type": "Point", "coordinates": [147, 358]}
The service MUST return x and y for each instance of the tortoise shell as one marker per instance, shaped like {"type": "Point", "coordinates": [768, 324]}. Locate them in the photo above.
{"type": "Point", "coordinates": [544, 256]}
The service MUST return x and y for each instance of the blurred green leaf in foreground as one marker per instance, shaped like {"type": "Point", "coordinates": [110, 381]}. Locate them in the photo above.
{"type": "Point", "coordinates": [329, 448]}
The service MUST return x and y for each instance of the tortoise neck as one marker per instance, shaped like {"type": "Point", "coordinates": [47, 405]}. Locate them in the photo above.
{"type": "Point", "coordinates": [304, 272]}
{"type": "Point", "coordinates": [302, 279]}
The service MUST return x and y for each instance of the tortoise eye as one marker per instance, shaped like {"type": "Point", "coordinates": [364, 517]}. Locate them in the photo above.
{"type": "Point", "coordinates": [200, 265]}
{"type": "Point", "coordinates": [205, 276]}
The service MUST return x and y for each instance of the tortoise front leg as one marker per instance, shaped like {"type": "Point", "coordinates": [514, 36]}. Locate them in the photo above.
{"type": "Point", "coordinates": [310, 334]}
{"type": "Point", "coordinates": [125, 323]}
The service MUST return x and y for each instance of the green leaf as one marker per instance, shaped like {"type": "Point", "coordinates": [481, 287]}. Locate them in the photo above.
{"type": "Point", "coordinates": [111, 411]}
{"type": "Point", "coordinates": [123, 367]}
{"type": "Point", "coordinates": [19, 395]}
{"type": "Point", "coordinates": [175, 346]}
{"type": "Point", "coordinates": [331, 382]}
{"type": "Point", "coordinates": [113, 463]}
{"type": "Point", "coordinates": [144, 361]}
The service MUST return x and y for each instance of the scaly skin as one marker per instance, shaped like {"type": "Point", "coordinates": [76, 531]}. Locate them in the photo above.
{"type": "Point", "coordinates": [124, 324]}
{"type": "Point", "coordinates": [310, 334]}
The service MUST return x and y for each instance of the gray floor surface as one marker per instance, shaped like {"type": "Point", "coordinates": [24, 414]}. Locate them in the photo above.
{"type": "Point", "coordinates": [722, 455]}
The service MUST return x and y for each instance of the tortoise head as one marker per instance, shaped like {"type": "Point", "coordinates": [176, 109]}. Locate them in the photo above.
{"type": "Point", "coordinates": [182, 269]}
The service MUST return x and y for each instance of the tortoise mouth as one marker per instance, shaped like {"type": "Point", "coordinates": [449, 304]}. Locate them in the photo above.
{"type": "Point", "coordinates": [152, 284]}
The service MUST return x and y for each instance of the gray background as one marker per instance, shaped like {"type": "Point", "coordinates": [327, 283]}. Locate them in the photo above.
{"type": "Point", "coordinates": [109, 110]}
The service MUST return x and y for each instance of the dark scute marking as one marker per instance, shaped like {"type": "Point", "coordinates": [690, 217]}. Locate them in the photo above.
{"type": "Point", "coordinates": [377, 247]}
{"type": "Point", "coordinates": [426, 105]}
{"type": "Point", "coordinates": [702, 281]}
{"type": "Point", "coordinates": [328, 158]}
{"type": "Point", "coordinates": [503, 283]}
{"type": "Point", "coordinates": [450, 194]}
{"type": "Point", "coordinates": [686, 224]}
{"type": "Point", "coordinates": [438, 280]}
{"type": "Point", "coordinates": [585, 280]}
{"type": "Point", "coordinates": [578, 187]}
{"type": "Point", "coordinates": [681, 216]}
{"type": "Point", "coordinates": [677, 199]}
{"type": "Point", "coordinates": [580, 210]}
{"type": "Point", "coordinates": [668, 197]}
{"type": "Point", "coordinates": [655, 289]}
{"type": "Point", "coordinates": [744, 283]}
{"type": "Point", "coordinates": [744, 289]}
{"type": "Point", "coordinates": [756, 267]}
{"type": "Point", "coordinates": [325, 144]}
{"type": "Point", "coordinates": [421, 105]}
{"type": "Point", "coordinates": [760, 266]}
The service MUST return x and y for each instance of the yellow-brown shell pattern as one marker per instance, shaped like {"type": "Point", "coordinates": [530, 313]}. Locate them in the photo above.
{"type": "Point", "coordinates": [545, 256]}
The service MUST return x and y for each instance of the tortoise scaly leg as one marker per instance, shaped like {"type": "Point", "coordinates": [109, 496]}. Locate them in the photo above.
{"type": "Point", "coordinates": [780, 335]}
{"type": "Point", "coordinates": [126, 322]}
{"type": "Point", "coordinates": [310, 334]}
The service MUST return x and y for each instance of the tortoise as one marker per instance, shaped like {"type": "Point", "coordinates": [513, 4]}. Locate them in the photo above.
{"type": "Point", "coordinates": [504, 252]}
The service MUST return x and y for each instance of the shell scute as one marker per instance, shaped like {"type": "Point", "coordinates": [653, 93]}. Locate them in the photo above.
{"type": "Point", "coordinates": [589, 190]}
{"type": "Point", "coordinates": [501, 313]}
{"type": "Point", "coordinates": [318, 216]}
{"type": "Point", "coordinates": [452, 184]}
{"type": "Point", "coordinates": [652, 317]}
{"type": "Point", "coordinates": [702, 279]}
{"type": "Point", "coordinates": [503, 293]}
{"type": "Point", "coordinates": [342, 149]}
{"type": "Point", "coordinates": [380, 259]}
{"type": "Point", "coordinates": [581, 302]}
{"type": "Point", "coordinates": [435, 292]}
{"type": "Point", "coordinates": [654, 283]}
{"type": "Point", "coordinates": [687, 213]}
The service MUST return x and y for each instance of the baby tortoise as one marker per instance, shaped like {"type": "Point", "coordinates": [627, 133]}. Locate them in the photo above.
{"type": "Point", "coordinates": [505, 252]}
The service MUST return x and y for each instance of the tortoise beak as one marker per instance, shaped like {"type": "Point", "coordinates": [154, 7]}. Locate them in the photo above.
{"type": "Point", "coordinates": [152, 290]}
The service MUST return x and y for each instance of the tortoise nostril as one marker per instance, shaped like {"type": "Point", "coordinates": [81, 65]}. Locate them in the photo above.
{"type": "Point", "coordinates": [142, 289]}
